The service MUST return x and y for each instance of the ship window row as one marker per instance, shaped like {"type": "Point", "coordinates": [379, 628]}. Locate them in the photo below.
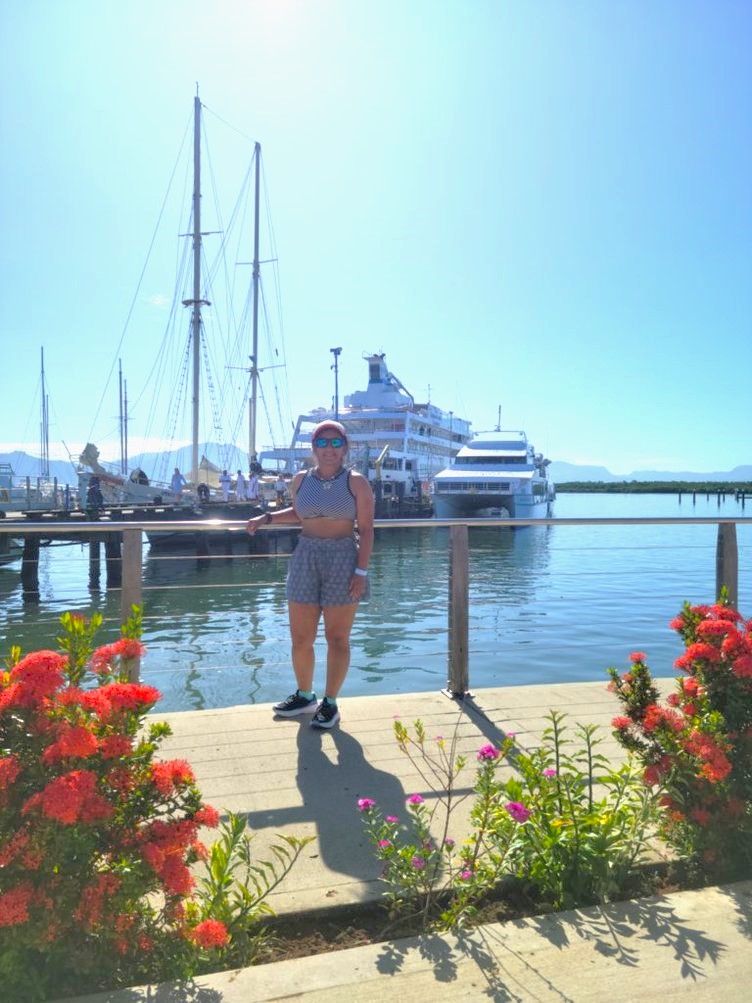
{"type": "Point", "coordinates": [483, 486]}
{"type": "Point", "coordinates": [486, 461]}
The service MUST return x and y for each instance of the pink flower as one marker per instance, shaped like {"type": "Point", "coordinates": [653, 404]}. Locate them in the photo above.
{"type": "Point", "coordinates": [488, 753]}
{"type": "Point", "coordinates": [466, 875]}
{"type": "Point", "coordinates": [518, 811]}
{"type": "Point", "coordinates": [365, 804]}
{"type": "Point", "coordinates": [418, 863]}
{"type": "Point", "coordinates": [393, 819]}
{"type": "Point", "coordinates": [416, 799]}
{"type": "Point", "coordinates": [384, 844]}
{"type": "Point", "coordinates": [549, 772]}
{"type": "Point", "coordinates": [449, 843]}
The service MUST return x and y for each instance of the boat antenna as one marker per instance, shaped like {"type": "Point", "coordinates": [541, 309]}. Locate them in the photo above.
{"type": "Point", "coordinates": [498, 419]}
{"type": "Point", "coordinates": [45, 427]}
{"type": "Point", "coordinates": [336, 353]}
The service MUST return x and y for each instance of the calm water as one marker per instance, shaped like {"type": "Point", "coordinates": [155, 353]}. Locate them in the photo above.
{"type": "Point", "coordinates": [547, 604]}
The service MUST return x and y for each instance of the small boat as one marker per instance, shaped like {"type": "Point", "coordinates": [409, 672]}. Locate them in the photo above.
{"type": "Point", "coordinates": [496, 475]}
{"type": "Point", "coordinates": [11, 549]}
{"type": "Point", "coordinates": [399, 443]}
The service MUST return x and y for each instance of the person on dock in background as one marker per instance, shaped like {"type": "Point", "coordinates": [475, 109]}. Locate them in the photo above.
{"type": "Point", "coordinates": [281, 488]}
{"type": "Point", "coordinates": [252, 488]}
{"type": "Point", "coordinates": [240, 487]}
{"type": "Point", "coordinates": [328, 572]}
{"type": "Point", "coordinates": [177, 483]}
{"type": "Point", "coordinates": [224, 482]}
{"type": "Point", "coordinates": [203, 492]}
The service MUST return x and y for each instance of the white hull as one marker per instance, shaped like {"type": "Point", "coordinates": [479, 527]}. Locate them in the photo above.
{"type": "Point", "coordinates": [480, 505]}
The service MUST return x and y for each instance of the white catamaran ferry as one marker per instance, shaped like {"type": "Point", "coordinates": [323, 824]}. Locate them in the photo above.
{"type": "Point", "coordinates": [496, 475]}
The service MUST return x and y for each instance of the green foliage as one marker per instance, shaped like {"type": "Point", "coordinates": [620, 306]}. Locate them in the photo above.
{"type": "Point", "coordinates": [234, 890]}
{"type": "Point", "coordinates": [565, 822]}
{"type": "Point", "coordinates": [588, 826]}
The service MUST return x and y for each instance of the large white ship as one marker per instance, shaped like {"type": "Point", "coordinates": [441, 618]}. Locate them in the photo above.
{"type": "Point", "coordinates": [399, 443]}
{"type": "Point", "coordinates": [496, 475]}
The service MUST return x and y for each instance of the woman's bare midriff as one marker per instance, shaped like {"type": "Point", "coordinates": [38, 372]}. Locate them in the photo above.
{"type": "Point", "coordinates": [328, 529]}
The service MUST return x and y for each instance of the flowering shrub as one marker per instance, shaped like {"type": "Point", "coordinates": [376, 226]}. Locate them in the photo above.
{"type": "Point", "coordinates": [427, 875]}
{"type": "Point", "coordinates": [545, 825]}
{"type": "Point", "coordinates": [696, 751]}
{"type": "Point", "coordinates": [97, 837]}
{"type": "Point", "coordinates": [581, 827]}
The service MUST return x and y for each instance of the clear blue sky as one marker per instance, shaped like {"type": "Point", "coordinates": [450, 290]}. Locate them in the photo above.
{"type": "Point", "coordinates": [543, 206]}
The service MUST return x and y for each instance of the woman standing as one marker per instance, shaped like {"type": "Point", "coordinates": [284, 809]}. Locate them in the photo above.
{"type": "Point", "coordinates": [328, 571]}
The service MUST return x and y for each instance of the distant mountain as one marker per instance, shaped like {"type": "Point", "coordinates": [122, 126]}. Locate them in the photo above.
{"type": "Point", "coordinates": [153, 464]}
{"type": "Point", "coordinates": [562, 472]}
{"type": "Point", "coordinates": [31, 466]}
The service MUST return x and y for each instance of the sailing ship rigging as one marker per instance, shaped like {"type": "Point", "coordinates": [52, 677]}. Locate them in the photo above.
{"type": "Point", "coordinates": [215, 300]}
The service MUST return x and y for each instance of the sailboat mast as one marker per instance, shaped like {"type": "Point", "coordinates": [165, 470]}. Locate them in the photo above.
{"type": "Point", "coordinates": [45, 428]}
{"type": "Point", "coordinates": [256, 275]}
{"type": "Point", "coordinates": [120, 387]}
{"type": "Point", "coordinates": [196, 317]}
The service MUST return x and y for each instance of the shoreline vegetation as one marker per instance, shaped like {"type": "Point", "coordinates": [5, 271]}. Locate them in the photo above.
{"type": "Point", "coordinates": [721, 488]}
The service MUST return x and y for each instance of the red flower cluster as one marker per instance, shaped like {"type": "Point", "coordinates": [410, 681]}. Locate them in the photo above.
{"type": "Point", "coordinates": [71, 798]}
{"type": "Point", "coordinates": [699, 747]}
{"type": "Point", "coordinates": [210, 933]}
{"type": "Point", "coordinates": [93, 831]}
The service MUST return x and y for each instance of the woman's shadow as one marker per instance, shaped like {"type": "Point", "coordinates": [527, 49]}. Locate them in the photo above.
{"type": "Point", "coordinates": [330, 786]}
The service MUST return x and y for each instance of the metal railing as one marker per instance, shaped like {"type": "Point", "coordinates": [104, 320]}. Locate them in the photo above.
{"type": "Point", "coordinates": [130, 558]}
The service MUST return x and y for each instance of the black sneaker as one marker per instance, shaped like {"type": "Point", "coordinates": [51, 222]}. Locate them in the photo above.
{"type": "Point", "coordinates": [326, 715]}
{"type": "Point", "coordinates": [295, 704]}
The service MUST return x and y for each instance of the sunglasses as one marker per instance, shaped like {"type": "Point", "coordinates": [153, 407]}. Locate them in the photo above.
{"type": "Point", "coordinates": [322, 442]}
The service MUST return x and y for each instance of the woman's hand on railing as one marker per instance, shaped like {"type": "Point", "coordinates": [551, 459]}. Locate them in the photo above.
{"type": "Point", "coordinates": [258, 520]}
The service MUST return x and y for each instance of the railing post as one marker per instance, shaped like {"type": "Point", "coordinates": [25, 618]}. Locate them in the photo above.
{"type": "Point", "coordinates": [459, 574]}
{"type": "Point", "coordinates": [727, 562]}
{"type": "Point", "coordinates": [131, 590]}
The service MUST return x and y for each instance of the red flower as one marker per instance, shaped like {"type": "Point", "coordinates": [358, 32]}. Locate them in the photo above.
{"type": "Point", "coordinates": [130, 696]}
{"type": "Point", "coordinates": [14, 904]}
{"type": "Point", "coordinates": [210, 933]}
{"type": "Point", "coordinates": [638, 656]}
{"type": "Point", "coordinates": [207, 815]}
{"type": "Point", "coordinates": [171, 774]}
{"type": "Point", "coordinates": [71, 798]}
{"type": "Point", "coordinates": [621, 723]}
{"type": "Point", "coordinates": [40, 674]}
{"type": "Point", "coordinates": [77, 741]}
{"type": "Point", "coordinates": [10, 767]}
{"type": "Point", "coordinates": [115, 746]}
{"type": "Point", "coordinates": [713, 628]}
{"type": "Point", "coordinates": [742, 667]}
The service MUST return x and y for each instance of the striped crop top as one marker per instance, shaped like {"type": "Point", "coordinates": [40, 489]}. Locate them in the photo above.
{"type": "Point", "coordinates": [330, 499]}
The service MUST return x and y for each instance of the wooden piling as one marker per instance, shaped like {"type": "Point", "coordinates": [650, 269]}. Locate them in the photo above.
{"type": "Point", "coordinates": [30, 567]}
{"type": "Point", "coordinates": [459, 599]}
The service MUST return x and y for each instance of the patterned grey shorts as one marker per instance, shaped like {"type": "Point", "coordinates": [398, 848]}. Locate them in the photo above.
{"type": "Point", "coordinates": [320, 571]}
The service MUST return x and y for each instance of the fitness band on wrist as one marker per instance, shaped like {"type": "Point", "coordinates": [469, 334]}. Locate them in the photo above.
{"type": "Point", "coordinates": [361, 572]}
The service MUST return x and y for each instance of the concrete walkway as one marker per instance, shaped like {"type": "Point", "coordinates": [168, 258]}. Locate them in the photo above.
{"type": "Point", "coordinates": [289, 778]}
